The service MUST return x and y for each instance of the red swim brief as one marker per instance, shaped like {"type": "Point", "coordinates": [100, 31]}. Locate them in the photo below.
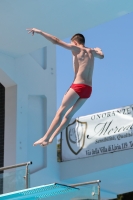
{"type": "Point", "coordinates": [84, 91]}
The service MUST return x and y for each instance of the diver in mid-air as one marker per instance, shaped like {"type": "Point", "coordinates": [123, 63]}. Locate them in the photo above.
{"type": "Point", "coordinates": [81, 88]}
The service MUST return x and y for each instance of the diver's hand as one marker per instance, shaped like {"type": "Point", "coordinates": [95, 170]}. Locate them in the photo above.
{"type": "Point", "coordinates": [33, 30]}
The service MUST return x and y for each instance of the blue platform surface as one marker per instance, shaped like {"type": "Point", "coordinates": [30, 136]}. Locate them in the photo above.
{"type": "Point", "coordinates": [40, 192]}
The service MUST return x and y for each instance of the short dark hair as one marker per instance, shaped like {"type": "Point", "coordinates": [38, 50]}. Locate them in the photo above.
{"type": "Point", "coordinates": [79, 38]}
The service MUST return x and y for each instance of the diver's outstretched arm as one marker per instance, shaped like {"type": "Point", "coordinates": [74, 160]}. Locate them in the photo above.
{"type": "Point", "coordinates": [54, 40]}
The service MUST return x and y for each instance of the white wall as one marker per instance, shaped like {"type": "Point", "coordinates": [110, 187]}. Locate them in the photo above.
{"type": "Point", "coordinates": [30, 85]}
{"type": "Point", "coordinates": [10, 125]}
{"type": "Point", "coordinates": [94, 164]}
{"type": "Point", "coordinates": [7, 79]}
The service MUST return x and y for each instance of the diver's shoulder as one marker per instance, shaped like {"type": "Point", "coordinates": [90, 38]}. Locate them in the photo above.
{"type": "Point", "coordinates": [87, 48]}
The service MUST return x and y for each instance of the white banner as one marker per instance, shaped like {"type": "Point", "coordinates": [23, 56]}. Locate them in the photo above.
{"type": "Point", "coordinates": [96, 134]}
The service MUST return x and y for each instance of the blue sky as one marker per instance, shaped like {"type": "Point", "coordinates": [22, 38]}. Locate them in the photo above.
{"type": "Point", "coordinates": [113, 75]}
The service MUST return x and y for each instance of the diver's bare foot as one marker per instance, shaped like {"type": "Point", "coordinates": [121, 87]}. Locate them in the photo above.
{"type": "Point", "coordinates": [44, 143]}
{"type": "Point", "coordinates": [40, 141]}
{"type": "Point", "coordinates": [50, 140]}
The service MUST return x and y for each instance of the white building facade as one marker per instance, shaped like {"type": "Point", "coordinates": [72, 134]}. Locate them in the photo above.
{"type": "Point", "coordinates": [28, 73]}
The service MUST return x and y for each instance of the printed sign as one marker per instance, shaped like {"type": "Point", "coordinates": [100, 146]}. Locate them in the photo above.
{"type": "Point", "coordinates": [97, 134]}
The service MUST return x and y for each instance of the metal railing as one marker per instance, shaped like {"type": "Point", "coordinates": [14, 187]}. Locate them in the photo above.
{"type": "Point", "coordinates": [26, 177]}
{"type": "Point", "coordinates": [89, 183]}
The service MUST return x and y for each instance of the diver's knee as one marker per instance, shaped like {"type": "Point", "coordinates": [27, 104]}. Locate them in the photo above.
{"type": "Point", "coordinates": [68, 116]}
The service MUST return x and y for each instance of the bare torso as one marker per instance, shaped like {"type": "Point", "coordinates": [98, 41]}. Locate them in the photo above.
{"type": "Point", "coordinates": [83, 64]}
